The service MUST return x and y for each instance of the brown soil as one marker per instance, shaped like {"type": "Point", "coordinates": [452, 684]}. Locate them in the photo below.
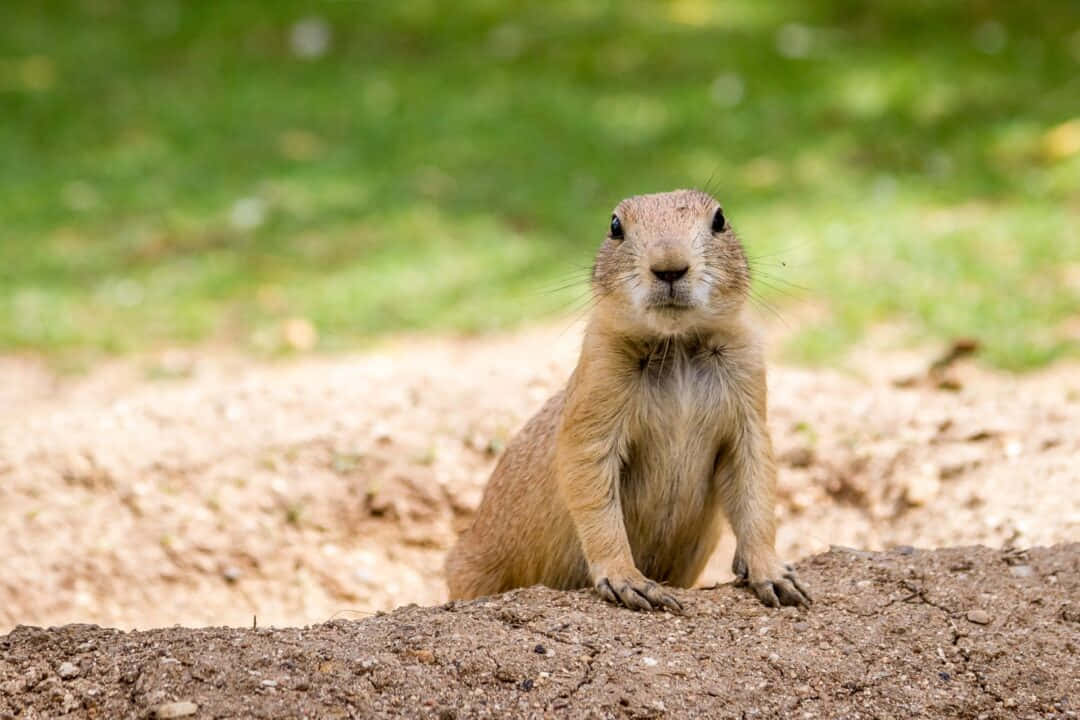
{"type": "Point", "coordinates": [957, 633]}
{"type": "Point", "coordinates": [200, 488]}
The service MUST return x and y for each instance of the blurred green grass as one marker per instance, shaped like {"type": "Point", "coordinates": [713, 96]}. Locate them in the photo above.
{"type": "Point", "coordinates": [172, 172]}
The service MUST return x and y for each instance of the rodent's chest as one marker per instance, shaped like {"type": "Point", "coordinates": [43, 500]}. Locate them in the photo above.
{"type": "Point", "coordinates": [680, 420]}
{"type": "Point", "coordinates": [684, 398]}
{"type": "Point", "coordinates": [677, 421]}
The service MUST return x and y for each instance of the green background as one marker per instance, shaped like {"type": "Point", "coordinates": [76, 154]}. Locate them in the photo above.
{"type": "Point", "coordinates": [180, 172]}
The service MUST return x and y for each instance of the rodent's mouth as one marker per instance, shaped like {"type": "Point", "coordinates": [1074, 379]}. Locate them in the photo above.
{"type": "Point", "coordinates": [669, 300]}
{"type": "Point", "coordinates": [670, 305]}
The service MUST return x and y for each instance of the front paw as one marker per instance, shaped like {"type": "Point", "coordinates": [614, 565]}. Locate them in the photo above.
{"type": "Point", "coordinates": [775, 584]}
{"type": "Point", "coordinates": [636, 592]}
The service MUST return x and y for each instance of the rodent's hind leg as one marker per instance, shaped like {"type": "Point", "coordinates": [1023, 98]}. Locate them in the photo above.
{"type": "Point", "coordinates": [466, 578]}
{"type": "Point", "coordinates": [636, 592]}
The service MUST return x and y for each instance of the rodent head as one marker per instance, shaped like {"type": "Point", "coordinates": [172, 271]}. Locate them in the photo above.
{"type": "Point", "coordinates": [671, 264]}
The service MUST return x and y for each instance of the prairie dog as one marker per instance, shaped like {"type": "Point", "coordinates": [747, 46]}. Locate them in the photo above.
{"type": "Point", "coordinates": [620, 482]}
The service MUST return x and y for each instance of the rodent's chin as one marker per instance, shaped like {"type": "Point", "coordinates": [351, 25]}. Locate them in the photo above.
{"type": "Point", "coordinates": [670, 320]}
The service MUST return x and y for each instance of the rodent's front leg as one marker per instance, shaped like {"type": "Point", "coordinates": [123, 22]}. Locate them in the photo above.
{"type": "Point", "coordinates": [590, 490]}
{"type": "Point", "coordinates": [748, 487]}
{"type": "Point", "coordinates": [589, 485]}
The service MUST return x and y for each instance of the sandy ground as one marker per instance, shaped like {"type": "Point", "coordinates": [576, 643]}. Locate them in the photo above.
{"type": "Point", "coordinates": [205, 488]}
{"type": "Point", "coordinates": [967, 633]}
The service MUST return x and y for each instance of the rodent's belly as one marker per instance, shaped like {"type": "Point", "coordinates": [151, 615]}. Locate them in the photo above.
{"type": "Point", "coordinates": [667, 493]}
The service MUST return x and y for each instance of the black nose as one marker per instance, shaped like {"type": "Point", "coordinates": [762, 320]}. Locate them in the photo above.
{"type": "Point", "coordinates": [669, 276]}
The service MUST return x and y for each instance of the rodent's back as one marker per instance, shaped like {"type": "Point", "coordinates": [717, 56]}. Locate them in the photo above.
{"type": "Point", "coordinates": [522, 534]}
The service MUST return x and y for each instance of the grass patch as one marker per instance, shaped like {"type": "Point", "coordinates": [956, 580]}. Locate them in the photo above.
{"type": "Point", "coordinates": [176, 171]}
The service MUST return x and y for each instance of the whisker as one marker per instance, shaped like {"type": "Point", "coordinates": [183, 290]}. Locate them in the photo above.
{"type": "Point", "coordinates": [578, 314]}
{"type": "Point", "coordinates": [580, 300]}
{"type": "Point", "coordinates": [796, 293]}
{"type": "Point", "coordinates": [789, 288]}
{"type": "Point", "coordinates": [554, 290]}
{"type": "Point", "coordinates": [709, 189]}
{"type": "Point", "coordinates": [781, 266]}
{"type": "Point", "coordinates": [753, 257]}
{"type": "Point", "coordinates": [765, 305]}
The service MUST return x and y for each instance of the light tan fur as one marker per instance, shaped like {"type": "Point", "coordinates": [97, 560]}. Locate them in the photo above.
{"type": "Point", "coordinates": [622, 479]}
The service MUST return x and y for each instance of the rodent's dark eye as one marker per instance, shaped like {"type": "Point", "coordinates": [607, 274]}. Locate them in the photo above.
{"type": "Point", "coordinates": [616, 228]}
{"type": "Point", "coordinates": [718, 221]}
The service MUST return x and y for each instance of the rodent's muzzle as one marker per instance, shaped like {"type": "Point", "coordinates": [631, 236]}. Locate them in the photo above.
{"type": "Point", "coordinates": [670, 276]}
{"type": "Point", "coordinates": [671, 286]}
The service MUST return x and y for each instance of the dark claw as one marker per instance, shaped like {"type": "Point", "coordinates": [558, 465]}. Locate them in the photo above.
{"type": "Point", "coordinates": [640, 602]}
{"type": "Point", "coordinates": [646, 596]}
{"type": "Point", "coordinates": [794, 580]}
{"type": "Point", "coordinates": [671, 604]}
{"type": "Point", "coordinates": [789, 595]}
{"type": "Point", "coordinates": [604, 588]}
{"type": "Point", "coordinates": [785, 590]}
{"type": "Point", "coordinates": [766, 594]}
{"type": "Point", "coordinates": [657, 596]}
{"type": "Point", "coordinates": [631, 598]}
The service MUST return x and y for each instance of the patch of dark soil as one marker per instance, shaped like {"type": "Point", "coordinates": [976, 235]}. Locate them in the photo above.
{"type": "Point", "coordinates": [959, 633]}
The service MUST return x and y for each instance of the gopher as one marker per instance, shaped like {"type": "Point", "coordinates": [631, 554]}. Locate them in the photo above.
{"type": "Point", "coordinates": [620, 482]}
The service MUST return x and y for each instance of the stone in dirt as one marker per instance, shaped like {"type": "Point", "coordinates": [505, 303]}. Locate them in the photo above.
{"type": "Point", "coordinates": [175, 710]}
{"type": "Point", "coordinates": [67, 670]}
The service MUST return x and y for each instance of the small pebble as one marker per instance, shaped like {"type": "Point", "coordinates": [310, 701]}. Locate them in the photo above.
{"type": "Point", "coordinates": [269, 683]}
{"type": "Point", "coordinates": [774, 658]}
{"type": "Point", "coordinates": [539, 650]}
{"type": "Point", "coordinates": [67, 671]}
{"type": "Point", "coordinates": [979, 617]}
{"type": "Point", "coordinates": [649, 661]}
{"type": "Point", "coordinates": [175, 710]}
{"type": "Point", "coordinates": [1022, 571]}
{"type": "Point", "coordinates": [800, 457]}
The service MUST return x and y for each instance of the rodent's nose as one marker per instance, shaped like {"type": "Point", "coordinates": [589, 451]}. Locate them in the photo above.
{"type": "Point", "coordinates": [667, 275]}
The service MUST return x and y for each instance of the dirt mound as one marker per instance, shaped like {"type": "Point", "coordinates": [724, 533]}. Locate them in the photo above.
{"type": "Point", "coordinates": [963, 633]}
